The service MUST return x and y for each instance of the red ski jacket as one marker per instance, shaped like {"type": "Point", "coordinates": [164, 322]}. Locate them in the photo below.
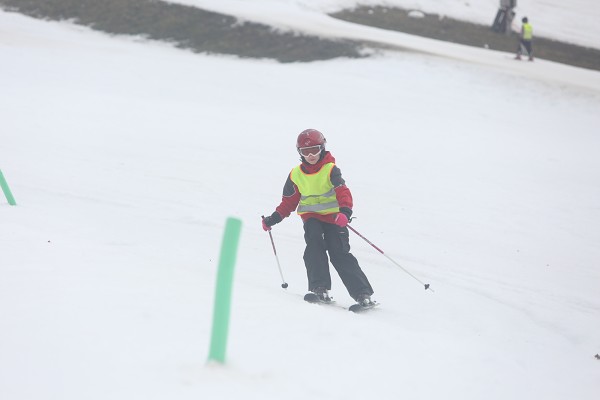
{"type": "Point", "coordinates": [291, 196]}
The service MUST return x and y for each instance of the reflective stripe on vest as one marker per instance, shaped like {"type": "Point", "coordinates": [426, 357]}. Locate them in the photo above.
{"type": "Point", "coordinates": [317, 194]}
{"type": "Point", "coordinates": [527, 31]}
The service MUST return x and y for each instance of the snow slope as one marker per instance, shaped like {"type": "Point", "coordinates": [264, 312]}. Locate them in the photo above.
{"type": "Point", "coordinates": [573, 21]}
{"type": "Point", "coordinates": [126, 157]}
{"type": "Point", "coordinates": [298, 16]}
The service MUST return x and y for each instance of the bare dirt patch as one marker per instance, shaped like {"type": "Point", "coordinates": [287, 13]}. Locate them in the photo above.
{"type": "Point", "coordinates": [451, 30]}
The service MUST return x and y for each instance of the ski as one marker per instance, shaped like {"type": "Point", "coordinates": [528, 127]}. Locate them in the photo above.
{"type": "Point", "coordinates": [313, 298]}
{"type": "Point", "coordinates": [355, 308]}
{"type": "Point", "coordinates": [359, 308]}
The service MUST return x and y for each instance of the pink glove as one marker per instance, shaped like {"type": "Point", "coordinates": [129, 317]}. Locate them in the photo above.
{"type": "Point", "coordinates": [265, 226]}
{"type": "Point", "coordinates": [341, 220]}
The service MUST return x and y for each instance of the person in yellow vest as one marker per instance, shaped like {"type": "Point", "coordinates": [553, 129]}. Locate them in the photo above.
{"type": "Point", "coordinates": [526, 39]}
{"type": "Point", "coordinates": [317, 191]}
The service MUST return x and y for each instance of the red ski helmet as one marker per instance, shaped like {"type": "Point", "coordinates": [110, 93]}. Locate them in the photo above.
{"type": "Point", "coordinates": [309, 138]}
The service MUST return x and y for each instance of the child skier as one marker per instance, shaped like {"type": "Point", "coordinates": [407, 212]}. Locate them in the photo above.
{"type": "Point", "coordinates": [323, 201]}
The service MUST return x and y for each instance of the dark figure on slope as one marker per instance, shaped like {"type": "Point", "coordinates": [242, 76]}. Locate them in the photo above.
{"type": "Point", "coordinates": [319, 193]}
{"type": "Point", "coordinates": [504, 17]}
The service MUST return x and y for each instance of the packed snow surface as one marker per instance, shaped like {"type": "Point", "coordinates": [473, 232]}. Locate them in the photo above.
{"type": "Point", "coordinates": [476, 173]}
{"type": "Point", "coordinates": [573, 21]}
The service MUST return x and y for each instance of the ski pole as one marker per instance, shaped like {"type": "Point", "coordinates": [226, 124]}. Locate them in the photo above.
{"type": "Point", "coordinates": [389, 258]}
{"type": "Point", "coordinates": [284, 284]}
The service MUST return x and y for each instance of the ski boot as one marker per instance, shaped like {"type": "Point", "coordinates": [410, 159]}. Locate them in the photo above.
{"type": "Point", "coordinates": [363, 303]}
{"type": "Point", "coordinates": [318, 295]}
{"type": "Point", "coordinates": [364, 300]}
{"type": "Point", "coordinates": [322, 294]}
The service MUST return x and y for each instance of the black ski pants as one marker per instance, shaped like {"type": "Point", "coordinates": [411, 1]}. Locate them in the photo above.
{"type": "Point", "coordinates": [527, 45]}
{"type": "Point", "coordinates": [322, 238]}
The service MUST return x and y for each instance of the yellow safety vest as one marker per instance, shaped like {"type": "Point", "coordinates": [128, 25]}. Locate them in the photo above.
{"type": "Point", "coordinates": [527, 31]}
{"type": "Point", "coordinates": [317, 194]}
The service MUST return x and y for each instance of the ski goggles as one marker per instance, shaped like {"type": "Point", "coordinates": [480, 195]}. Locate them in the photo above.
{"type": "Point", "coordinates": [310, 151]}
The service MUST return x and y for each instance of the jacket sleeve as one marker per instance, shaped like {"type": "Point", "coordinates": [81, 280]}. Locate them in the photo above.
{"type": "Point", "coordinates": [289, 199]}
{"type": "Point", "coordinates": [342, 192]}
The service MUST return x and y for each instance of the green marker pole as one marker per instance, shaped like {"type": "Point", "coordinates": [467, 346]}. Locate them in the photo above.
{"type": "Point", "coordinates": [220, 328]}
{"type": "Point", "coordinates": [6, 190]}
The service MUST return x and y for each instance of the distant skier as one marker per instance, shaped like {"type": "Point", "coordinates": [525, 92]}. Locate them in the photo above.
{"type": "Point", "coordinates": [324, 202]}
{"type": "Point", "coordinates": [525, 40]}
{"type": "Point", "coordinates": [504, 17]}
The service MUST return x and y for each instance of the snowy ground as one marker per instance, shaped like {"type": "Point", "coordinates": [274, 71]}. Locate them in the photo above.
{"type": "Point", "coordinates": [126, 157]}
{"type": "Point", "coordinates": [573, 21]}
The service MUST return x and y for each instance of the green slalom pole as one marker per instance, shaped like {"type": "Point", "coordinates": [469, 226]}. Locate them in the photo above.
{"type": "Point", "coordinates": [220, 328]}
{"type": "Point", "coordinates": [6, 190]}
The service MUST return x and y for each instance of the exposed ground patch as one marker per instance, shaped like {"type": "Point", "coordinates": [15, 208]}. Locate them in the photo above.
{"type": "Point", "coordinates": [187, 27]}
{"type": "Point", "coordinates": [451, 30]}
{"type": "Point", "coordinates": [209, 32]}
